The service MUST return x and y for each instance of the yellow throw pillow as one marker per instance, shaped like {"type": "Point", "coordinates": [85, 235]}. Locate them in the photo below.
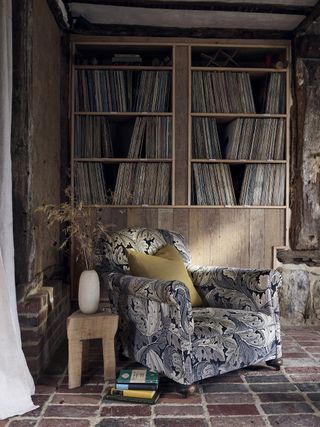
{"type": "Point", "coordinates": [166, 264]}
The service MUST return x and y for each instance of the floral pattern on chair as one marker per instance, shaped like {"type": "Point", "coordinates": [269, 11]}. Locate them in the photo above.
{"type": "Point", "coordinates": [238, 327]}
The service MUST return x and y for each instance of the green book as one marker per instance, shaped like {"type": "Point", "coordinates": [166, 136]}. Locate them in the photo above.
{"type": "Point", "coordinates": [137, 376]}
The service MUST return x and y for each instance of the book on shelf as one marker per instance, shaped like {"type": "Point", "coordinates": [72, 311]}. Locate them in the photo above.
{"type": "Point", "coordinates": [92, 137]}
{"type": "Point", "coordinates": [256, 139]}
{"type": "Point", "coordinates": [263, 185]}
{"type": "Point", "coordinates": [90, 187]}
{"type": "Point", "coordinates": [126, 58]}
{"type": "Point", "coordinates": [122, 91]}
{"type": "Point", "coordinates": [142, 183]}
{"type": "Point", "coordinates": [205, 138]}
{"type": "Point", "coordinates": [222, 92]}
{"type": "Point", "coordinates": [213, 184]}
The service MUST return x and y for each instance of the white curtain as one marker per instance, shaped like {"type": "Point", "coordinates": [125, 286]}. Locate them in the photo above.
{"type": "Point", "coordinates": [16, 383]}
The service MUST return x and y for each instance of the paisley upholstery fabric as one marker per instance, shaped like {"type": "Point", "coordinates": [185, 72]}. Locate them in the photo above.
{"type": "Point", "coordinates": [158, 327]}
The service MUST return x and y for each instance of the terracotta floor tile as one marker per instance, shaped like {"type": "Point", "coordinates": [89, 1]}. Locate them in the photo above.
{"type": "Point", "coordinates": [23, 423]}
{"type": "Point", "coordinates": [124, 422]}
{"type": "Point", "coordinates": [71, 411]}
{"type": "Point", "coordinates": [267, 379]}
{"type": "Point", "coordinates": [126, 411]}
{"type": "Point", "coordinates": [76, 399]}
{"type": "Point", "coordinates": [244, 409]}
{"type": "Point", "coordinates": [294, 421]}
{"type": "Point", "coordinates": [179, 422]}
{"type": "Point", "coordinates": [314, 397]}
{"type": "Point", "coordinates": [95, 389]}
{"type": "Point", "coordinates": [305, 378]}
{"type": "Point", "coordinates": [64, 423]}
{"type": "Point", "coordinates": [248, 421]}
{"type": "Point", "coordinates": [287, 408]}
{"type": "Point", "coordinates": [273, 388]}
{"type": "Point", "coordinates": [176, 398]}
{"type": "Point", "coordinates": [223, 388]}
{"type": "Point", "coordinates": [281, 397]}
{"type": "Point", "coordinates": [229, 398]}
{"type": "Point", "coordinates": [183, 410]}
{"type": "Point", "coordinates": [309, 387]}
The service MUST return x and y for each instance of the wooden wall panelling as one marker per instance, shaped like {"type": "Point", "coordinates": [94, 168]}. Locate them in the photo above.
{"type": "Point", "coordinates": [274, 233]}
{"type": "Point", "coordinates": [181, 222]}
{"type": "Point", "coordinates": [257, 233]}
{"type": "Point", "coordinates": [165, 218]}
{"type": "Point", "coordinates": [142, 217]}
{"type": "Point", "coordinates": [197, 236]}
{"type": "Point", "coordinates": [114, 218]}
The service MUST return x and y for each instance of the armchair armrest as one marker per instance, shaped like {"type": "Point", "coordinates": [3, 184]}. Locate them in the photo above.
{"type": "Point", "coordinates": [235, 288]}
{"type": "Point", "coordinates": [172, 293]}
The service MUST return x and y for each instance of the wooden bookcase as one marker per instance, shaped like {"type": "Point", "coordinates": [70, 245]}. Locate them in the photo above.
{"type": "Point", "coordinates": [238, 234]}
{"type": "Point", "coordinates": [126, 110]}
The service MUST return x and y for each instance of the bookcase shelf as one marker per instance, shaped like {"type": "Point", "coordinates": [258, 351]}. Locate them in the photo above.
{"type": "Point", "coordinates": [238, 128]}
{"type": "Point", "coordinates": [233, 161]}
{"type": "Point", "coordinates": [123, 114]}
{"type": "Point", "coordinates": [120, 160]}
{"type": "Point", "coordinates": [123, 67]}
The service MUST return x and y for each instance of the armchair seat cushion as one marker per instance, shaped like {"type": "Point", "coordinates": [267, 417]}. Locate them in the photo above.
{"type": "Point", "coordinates": [226, 339]}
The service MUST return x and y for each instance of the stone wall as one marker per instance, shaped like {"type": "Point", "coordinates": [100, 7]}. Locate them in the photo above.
{"type": "Point", "coordinates": [299, 294]}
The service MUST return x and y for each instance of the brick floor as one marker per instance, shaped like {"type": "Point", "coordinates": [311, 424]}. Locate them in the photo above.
{"type": "Point", "coordinates": [256, 396]}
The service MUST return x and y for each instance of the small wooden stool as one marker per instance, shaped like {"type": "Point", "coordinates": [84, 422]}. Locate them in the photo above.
{"type": "Point", "coordinates": [81, 327]}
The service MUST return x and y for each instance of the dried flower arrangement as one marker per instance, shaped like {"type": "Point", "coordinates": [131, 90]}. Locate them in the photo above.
{"type": "Point", "coordinates": [80, 224]}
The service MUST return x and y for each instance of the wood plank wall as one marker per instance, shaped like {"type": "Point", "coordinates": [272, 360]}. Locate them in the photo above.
{"type": "Point", "coordinates": [226, 237]}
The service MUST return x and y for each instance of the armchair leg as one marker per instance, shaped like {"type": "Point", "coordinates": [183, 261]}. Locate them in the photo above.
{"type": "Point", "coordinates": [187, 390]}
{"type": "Point", "coordinates": [275, 363]}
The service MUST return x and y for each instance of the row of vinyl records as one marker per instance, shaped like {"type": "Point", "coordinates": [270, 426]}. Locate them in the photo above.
{"type": "Point", "coordinates": [136, 184]}
{"type": "Point", "coordinates": [231, 92]}
{"type": "Point", "coordinates": [257, 139]}
{"type": "Point", "coordinates": [121, 91]}
{"type": "Point", "coordinates": [151, 138]}
{"type": "Point", "coordinates": [149, 183]}
{"type": "Point", "coordinates": [262, 185]}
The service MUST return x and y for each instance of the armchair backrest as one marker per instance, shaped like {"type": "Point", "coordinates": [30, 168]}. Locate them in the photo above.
{"type": "Point", "coordinates": [113, 246]}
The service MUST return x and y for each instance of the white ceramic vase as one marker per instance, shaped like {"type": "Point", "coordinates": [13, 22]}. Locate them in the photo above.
{"type": "Point", "coordinates": [89, 292]}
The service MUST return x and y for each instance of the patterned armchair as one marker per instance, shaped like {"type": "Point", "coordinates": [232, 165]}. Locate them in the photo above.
{"type": "Point", "coordinates": [239, 326]}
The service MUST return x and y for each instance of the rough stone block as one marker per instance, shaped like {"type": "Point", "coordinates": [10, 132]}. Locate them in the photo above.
{"type": "Point", "coordinates": [294, 296]}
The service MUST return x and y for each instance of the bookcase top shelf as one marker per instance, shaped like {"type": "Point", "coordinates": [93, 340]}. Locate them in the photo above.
{"type": "Point", "coordinates": [121, 160]}
{"type": "Point", "coordinates": [249, 70]}
{"type": "Point", "coordinates": [231, 116]}
{"type": "Point", "coordinates": [236, 161]}
{"type": "Point", "coordinates": [123, 113]}
{"type": "Point", "coordinates": [124, 67]}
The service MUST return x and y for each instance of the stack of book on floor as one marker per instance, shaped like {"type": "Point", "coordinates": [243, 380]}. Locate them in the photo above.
{"type": "Point", "coordinates": [135, 386]}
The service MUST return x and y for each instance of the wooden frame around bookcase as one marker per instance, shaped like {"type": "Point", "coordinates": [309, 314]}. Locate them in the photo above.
{"type": "Point", "coordinates": [287, 71]}
{"type": "Point", "coordinates": [192, 220]}
{"type": "Point", "coordinates": [133, 114]}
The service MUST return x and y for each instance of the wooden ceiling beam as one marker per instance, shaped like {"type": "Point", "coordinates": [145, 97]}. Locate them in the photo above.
{"type": "Point", "coordinates": [310, 20]}
{"type": "Point", "coordinates": [61, 13]}
{"type": "Point", "coordinates": [271, 7]}
{"type": "Point", "coordinates": [82, 26]}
